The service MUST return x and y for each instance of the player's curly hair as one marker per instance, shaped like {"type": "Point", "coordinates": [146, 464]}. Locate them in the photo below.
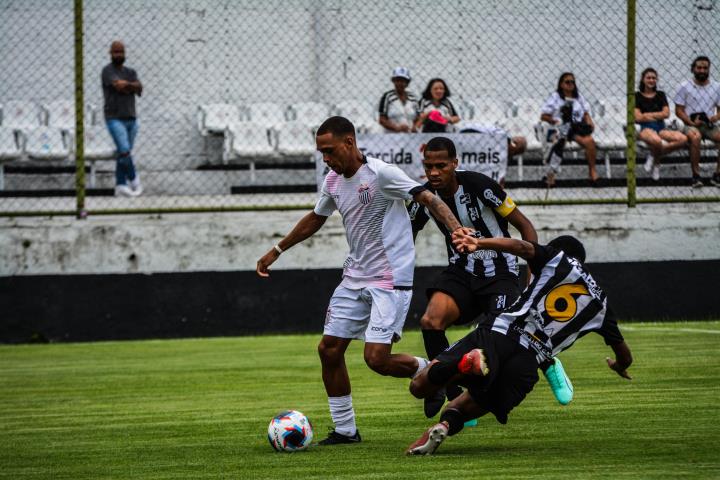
{"type": "Point", "coordinates": [570, 245]}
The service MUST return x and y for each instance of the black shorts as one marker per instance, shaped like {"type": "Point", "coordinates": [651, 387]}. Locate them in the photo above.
{"type": "Point", "coordinates": [474, 295]}
{"type": "Point", "coordinates": [513, 371]}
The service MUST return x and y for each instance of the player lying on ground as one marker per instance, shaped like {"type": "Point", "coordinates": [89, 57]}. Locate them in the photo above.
{"type": "Point", "coordinates": [372, 300]}
{"type": "Point", "coordinates": [498, 362]}
{"type": "Point", "coordinates": [481, 283]}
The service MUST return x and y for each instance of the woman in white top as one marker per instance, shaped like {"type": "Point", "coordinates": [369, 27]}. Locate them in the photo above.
{"type": "Point", "coordinates": [581, 127]}
{"type": "Point", "coordinates": [435, 98]}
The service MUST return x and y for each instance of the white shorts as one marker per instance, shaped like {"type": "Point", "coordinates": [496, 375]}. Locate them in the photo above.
{"type": "Point", "coordinates": [376, 315]}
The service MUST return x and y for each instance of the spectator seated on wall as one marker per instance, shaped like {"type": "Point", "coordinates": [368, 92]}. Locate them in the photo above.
{"type": "Point", "coordinates": [577, 126]}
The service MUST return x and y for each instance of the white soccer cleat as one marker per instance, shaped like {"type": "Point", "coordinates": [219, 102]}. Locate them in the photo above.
{"type": "Point", "coordinates": [430, 440]}
{"type": "Point", "coordinates": [649, 162]}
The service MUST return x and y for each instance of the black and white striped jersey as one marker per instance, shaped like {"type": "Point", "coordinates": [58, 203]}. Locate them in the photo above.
{"type": "Point", "coordinates": [397, 111]}
{"type": "Point", "coordinates": [481, 204]}
{"type": "Point", "coordinates": [562, 303]}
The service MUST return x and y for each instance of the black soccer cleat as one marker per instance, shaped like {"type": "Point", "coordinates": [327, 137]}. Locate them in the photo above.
{"type": "Point", "coordinates": [335, 438]}
{"type": "Point", "coordinates": [433, 404]}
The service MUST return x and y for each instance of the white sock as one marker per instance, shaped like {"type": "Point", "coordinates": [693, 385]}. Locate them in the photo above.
{"type": "Point", "coordinates": [422, 363]}
{"type": "Point", "coordinates": [343, 415]}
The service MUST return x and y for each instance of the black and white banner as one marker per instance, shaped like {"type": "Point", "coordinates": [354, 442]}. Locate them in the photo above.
{"type": "Point", "coordinates": [478, 152]}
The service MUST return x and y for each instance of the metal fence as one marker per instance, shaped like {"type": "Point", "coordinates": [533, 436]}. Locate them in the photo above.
{"type": "Point", "coordinates": [232, 93]}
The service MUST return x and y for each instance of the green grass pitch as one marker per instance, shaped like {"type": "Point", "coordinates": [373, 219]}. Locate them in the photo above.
{"type": "Point", "coordinates": [196, 409]}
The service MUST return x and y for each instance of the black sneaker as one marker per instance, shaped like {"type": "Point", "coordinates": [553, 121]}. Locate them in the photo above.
{"type": "Point", "coordinates": [715, 180]}
{"type": "Point", "coordinates": [433, 403]}
{"type": "Point", "coordinates": [697, 182]}
{"type": "Point", "coordinates": [335, 438]}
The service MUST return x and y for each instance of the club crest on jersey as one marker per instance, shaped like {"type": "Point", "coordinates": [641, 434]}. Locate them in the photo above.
{"type": "Point", "coordinates": [364, 194]}
{"type": "Point", "coordinates": [464, 199]}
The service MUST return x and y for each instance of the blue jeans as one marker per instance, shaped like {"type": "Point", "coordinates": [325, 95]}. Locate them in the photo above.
{"type": "Point", "coordinates": [123, 132]}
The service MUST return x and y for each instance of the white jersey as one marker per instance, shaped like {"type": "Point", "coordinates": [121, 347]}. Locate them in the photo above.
{"type": "Point", "coordinates": [698, 98]}
{"type": "Point", "coordinates": [554, 103]}
{"type": "Point", "coordinates": [377, 225]}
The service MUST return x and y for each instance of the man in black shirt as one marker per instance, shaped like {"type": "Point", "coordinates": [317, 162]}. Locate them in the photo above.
{"type": "Point", "coordinates": [498, 361]}
{"type": "Point", "coordinates": [120, 84]}
{"type": "Point", "coordinates": [481, 283]}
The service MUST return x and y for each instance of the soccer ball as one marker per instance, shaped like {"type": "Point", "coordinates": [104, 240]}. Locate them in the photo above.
{"type": "Point", "coordinates": [290, 431]}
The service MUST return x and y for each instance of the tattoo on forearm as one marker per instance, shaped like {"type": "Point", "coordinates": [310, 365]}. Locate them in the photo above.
{"type": "Point", "coordinates": [443, 213]}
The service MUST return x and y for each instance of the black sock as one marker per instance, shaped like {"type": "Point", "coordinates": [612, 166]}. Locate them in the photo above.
{"type": "Point", "coordinates": [453, 391]}
{"type": "Point", "coordinates": [454, 419]}
{"type": "Point", "coordinates": [435, 342]}
{"type": "Point", "coordinates": [440, 373]}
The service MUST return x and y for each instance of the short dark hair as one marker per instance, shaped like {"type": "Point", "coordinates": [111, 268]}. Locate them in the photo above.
{"type": "Point", "coordinates": [641, 85]}
{"type": "Point", "coordinates": [338, 126]}
{"type": "Point", "coordinates": [559, 90]}
{"type": "Point", "coordinates": [570, 245]}
{"type": "Point", "coordinates": [440, 144]}
{"type": "Point", "coordinates": [427, 94]}
{"type": "Point", "coordinates": [701, 58]}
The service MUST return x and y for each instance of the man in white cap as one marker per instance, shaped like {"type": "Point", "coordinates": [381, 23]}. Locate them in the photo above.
{"type": "Point", "coordinates": [398, 107]}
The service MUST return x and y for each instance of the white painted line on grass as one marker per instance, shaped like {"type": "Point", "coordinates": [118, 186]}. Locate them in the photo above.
{"type": "Point", "coordinates": [656, 329]}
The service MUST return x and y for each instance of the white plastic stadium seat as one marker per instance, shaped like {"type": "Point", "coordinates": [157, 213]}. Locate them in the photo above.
{"type": "Point", "coordinates": [98, 143]}
{"type": "Point", "coordinates": [613, 107]}
{"type": "Point", "coordinates": [215, 117]}
{"type": "Point", "coordinates": [46, 143]}
{"type": "Point", "coordinates": [519, 126]}
{"type": "Point", "coordinates": [609, 136]}
{"type": "Point", "coordinates": [20, 115]}
{"type": "Point", "coordinates": [10, 149]}
{"type": "Point", "coordinates": [359, 113]}
{"type": "Point", "coordinates": [61, 114]}
{"type": "Point", "coordinates": [295, 138]}
{"type": "Point", "coordinates": [247, 139]}
{"type": "Point", "coordinates": [527, 108]}
{"type": "Point", "coordinates": [267, 114]}
{"type": "Point", "coordinates": [488, 110]}
{"type": "Point", "coordinates": [311, 114]}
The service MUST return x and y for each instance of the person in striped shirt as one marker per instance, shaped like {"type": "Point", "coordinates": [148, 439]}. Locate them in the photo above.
{"type": "Point", "coordinates": [498, 361]}
{"type": "Point", "coordinates": [481, 283]}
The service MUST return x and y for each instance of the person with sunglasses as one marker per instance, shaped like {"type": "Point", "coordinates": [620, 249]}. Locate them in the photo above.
{"type": "Point", "coordinates": [581, 125]}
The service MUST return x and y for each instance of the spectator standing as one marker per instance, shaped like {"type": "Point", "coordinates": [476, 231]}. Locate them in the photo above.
{"type": "Point", "coordinates": [398, 107]}
{"type": "Point", "coordinates": [437, 112]}
{"type": "Point", "coordinates": [696, 104]}
{"type": "Point", "coordinates": [120, 85]}
{"type": "Point", "coordinates": [581, 124]}
{"type": "Point", "coordinates": [651, 110]}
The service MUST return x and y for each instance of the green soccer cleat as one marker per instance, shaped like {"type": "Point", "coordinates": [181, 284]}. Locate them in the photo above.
{"type": "Point", "coordinates": [559, 382]}
{"type": "Point", "coordinates": [471, 423]}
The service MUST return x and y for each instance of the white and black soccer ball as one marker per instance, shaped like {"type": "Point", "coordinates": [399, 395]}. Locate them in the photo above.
{"type": "Point", "coordinates": [290, 431]}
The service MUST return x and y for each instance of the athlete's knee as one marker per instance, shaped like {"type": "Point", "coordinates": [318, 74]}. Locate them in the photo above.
{"type": "Point", "coordinates": [329, 354]}
{"type": "Point", "coordinates": [432, 322]}
{"type": "Point", "coordinates": [378, 361]}
{"type": "Point", "coordinates": [417, 387]}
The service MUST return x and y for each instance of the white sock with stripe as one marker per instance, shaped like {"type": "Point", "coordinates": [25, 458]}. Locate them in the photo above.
{"type": "Point", "coordinates": [422, 363]}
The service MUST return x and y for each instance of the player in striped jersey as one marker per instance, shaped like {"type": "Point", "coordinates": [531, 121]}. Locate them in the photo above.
{"type": "Point", "coordinates": [483, 282]}
{"type": "Point", "coordinates": [373, 298]}
{"type": "Point", "coordinates": [498, 361]}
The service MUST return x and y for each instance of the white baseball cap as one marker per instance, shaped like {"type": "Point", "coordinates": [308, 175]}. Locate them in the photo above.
{"type": "Point", "coordinates": [401, 72]}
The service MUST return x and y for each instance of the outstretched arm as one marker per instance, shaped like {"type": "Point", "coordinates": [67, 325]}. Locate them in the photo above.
{"type": "Point", "coordinates": [438, 209]}
{"type": "Point", "coordinates": [521, 248]}
{"type": "Point", "coordinates": [305, 228]}
{"type": "Point", "coordinates": [623, 359]}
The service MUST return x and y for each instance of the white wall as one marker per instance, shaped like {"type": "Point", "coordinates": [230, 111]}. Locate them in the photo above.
{"type": "Point", "coordinates": [235, 241]}
{"type": "Point", "coordinates": [193, 52]}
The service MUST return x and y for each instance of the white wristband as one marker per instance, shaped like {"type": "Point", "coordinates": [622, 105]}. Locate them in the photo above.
{"type": "Point", "coordinates": [278, 249]}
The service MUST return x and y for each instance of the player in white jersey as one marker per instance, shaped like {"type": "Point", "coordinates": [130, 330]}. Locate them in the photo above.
{"type": "Point", "coordinates": [373, 298]}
